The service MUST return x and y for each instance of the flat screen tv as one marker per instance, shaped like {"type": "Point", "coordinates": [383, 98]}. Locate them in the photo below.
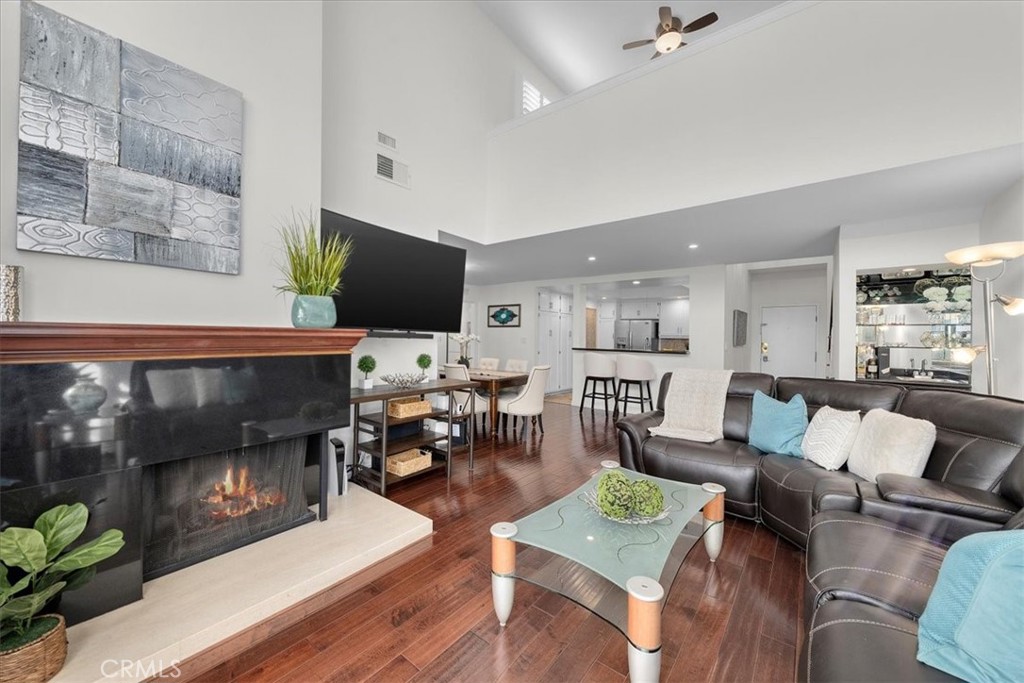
{"type": "Point", "coordinates": [396, 281]}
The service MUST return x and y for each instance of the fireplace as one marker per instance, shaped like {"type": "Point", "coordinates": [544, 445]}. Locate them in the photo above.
{"type": "Point", "coordinates": [193, 441]}
{"type": "Point", "coordinates": [201, 507]}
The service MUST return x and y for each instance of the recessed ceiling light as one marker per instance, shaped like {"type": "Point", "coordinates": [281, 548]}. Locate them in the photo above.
{"type": "Point", "coordinates": [694, 246]}
{"type": "Point", "coordinates": [636, 282]}
{"type": "Point", "coordinates": [591, 258]}
{"type": "Point", "coordinates": [909, 270]}
{"type": "Point", "coordinates": [603, 298]}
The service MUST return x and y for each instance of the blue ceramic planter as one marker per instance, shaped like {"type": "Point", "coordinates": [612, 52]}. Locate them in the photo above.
{"type": "Point", "coordinates": [313, 311]}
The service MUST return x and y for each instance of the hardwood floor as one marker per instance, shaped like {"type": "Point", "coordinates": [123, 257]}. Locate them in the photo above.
{"type": "Point", "coordinates": [431, 619]}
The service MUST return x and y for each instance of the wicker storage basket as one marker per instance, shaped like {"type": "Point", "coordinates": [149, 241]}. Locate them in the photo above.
{"type": "Point", "coordinates": [408, 407]}
{"type": "Point", "coordinates": [38, 661]}
{"type": "Point", "coordinates": [408, 462]}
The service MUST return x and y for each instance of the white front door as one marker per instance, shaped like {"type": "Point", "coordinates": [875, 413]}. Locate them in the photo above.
{"type": "Point", "coordinates": [789, 340]}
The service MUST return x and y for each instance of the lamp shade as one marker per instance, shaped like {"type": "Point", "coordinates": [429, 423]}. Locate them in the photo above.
{"type": "Point", "coordinates": [1012, 305]}
{"type": "Point", "coordinates": [986, 254]}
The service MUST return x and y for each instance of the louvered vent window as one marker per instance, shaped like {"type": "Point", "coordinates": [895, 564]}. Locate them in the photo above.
{"type": "Point", "coordinates": [533, 98]}
{"type": "Point", "coordinates": [385, 166]}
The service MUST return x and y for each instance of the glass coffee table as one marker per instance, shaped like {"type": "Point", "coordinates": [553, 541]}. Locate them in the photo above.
{"type": "Point", "coordinates": [617, 571]}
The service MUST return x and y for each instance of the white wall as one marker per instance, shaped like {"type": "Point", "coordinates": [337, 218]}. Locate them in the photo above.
{"type": "Point", "coordinates": [437, 76]}
{"type": "Point", "coordinates": [271, 52]}
{"type": "Point", "coordinates": [807, 286]}
{"type": "Point", "coordinates": [838, 89]}
{"type": "Point", "coordinates": [1003, 221]}
{"type": "Point", "coordinates": [737, 297]}
{"type": "Point", "coordinates": [871, 247]}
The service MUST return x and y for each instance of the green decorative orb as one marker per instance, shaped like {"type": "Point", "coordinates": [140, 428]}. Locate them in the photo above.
{"type": "Point", "coordinates": [648, 500]}
{"type": "Point", "coordinates": [615, 495]}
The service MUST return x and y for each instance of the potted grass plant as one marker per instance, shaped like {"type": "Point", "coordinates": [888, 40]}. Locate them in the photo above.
{"type": "Point", "coordinates": [33, 646]}
{"type": "Point", "coordinates": [312, 270]}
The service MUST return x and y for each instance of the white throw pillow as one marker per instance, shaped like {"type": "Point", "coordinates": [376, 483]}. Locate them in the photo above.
{"type": "Point", "coordinates": [889, 442]}
{"type": "Point", "coordinates": [829, 438]}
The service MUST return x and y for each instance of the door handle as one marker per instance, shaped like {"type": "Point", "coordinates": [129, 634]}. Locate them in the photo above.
{"type": "Point", "coordinates": [764, 352]}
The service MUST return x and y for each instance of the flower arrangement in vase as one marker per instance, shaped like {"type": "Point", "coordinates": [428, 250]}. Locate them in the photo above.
{"type": "Point", "coordinates": [463, 341]}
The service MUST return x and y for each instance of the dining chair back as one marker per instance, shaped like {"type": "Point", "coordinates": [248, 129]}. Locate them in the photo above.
{"type": "Point", "coordinates": [464, 399]}
{"type": "Point", "coordinates": [529, 402]}
{"type": "Point", "coordinates": [516, 365]}
{"type": "Point", "coordinates": [488, 363]}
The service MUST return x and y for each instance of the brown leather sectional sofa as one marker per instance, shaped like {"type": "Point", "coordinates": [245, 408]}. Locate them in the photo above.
{"type": "Point", "coordinates": [873, 548]}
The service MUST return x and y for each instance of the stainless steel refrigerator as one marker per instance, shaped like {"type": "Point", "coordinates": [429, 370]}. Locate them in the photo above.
{"type": "Point", "coordinates": [636, 335]}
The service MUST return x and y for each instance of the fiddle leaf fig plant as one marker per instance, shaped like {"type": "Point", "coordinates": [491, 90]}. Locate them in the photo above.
{"type": "Point", "coordinates": [39, 558]}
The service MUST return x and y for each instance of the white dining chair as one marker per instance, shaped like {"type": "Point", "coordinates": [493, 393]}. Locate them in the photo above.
{"type": "Point", "coordinates": [488, 363]}
{"type": "Point", "coordinates": [516, 365]}
{"type": "Point", "coordinates": [464, 399]}
{"type": "Point", "coordinates": [529, 402]}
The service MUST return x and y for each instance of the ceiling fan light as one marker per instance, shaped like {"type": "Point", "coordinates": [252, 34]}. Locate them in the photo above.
{"type": "Point", "coordinates": [1012, 305]}
{"type": "Point", "coordinates": [986, 254]}
{"type": "Point", "coordinates": [668, 41]}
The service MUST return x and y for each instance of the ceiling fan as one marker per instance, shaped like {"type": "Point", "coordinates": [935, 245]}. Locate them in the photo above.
{"type": "Point", "coordinates": [668, 36]}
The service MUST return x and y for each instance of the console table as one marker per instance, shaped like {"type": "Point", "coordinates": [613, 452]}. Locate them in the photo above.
{"type": "Point", "coordinates": [377, 424]}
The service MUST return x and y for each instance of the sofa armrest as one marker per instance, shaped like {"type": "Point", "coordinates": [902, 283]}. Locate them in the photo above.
{"type": "Point", "coordinates": [835, 493]}
{"type": "Point", "coordinates": [943, 527]}
{"type": "Point", "coordinates": [633, 431]}
{"type": "Point", "coordinates": [928, 494]}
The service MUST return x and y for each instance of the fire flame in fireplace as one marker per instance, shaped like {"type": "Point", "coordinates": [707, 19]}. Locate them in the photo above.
{"type": "Point", "coordinates": [233, 497]}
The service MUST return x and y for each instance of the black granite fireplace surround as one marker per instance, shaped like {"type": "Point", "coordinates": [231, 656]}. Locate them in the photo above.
{"type": "Point", "coordinates": [147, 443]}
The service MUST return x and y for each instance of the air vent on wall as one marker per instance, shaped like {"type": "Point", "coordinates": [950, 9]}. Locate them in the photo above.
{"type": "Point", "coordinates": [385, 140]}
{"type": "Point", "coordinates": [393, 171]}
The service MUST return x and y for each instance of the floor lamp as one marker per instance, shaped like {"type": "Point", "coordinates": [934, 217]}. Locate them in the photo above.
{"type": "Point", "coordinates": [983, 256]}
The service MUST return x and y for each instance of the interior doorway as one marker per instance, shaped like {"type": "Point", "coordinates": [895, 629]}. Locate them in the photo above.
{"type": "Point", "coordinates": [591, 328]}
{"type": "Point", "coordinates": [789, 338]}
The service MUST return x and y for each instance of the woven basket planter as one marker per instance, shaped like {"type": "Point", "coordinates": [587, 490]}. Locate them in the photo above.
{"type": "Point", "coordinates": [38, 661]}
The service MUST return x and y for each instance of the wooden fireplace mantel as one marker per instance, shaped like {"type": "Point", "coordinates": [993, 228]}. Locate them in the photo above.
{"type": "Point", "coordinates": [28, 342]}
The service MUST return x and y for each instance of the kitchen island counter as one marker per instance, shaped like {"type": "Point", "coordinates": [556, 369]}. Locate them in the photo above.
{"type": "Point", "coordinates": [663, 353]}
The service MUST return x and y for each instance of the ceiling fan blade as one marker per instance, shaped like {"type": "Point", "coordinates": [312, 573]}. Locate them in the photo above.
{"type": "Point", "coordinates": [655, 55]}
{"type": "Point", "coordinates": [637, 43]}
{"type": "Point", "coordinates": [703, 22]}
{"type": "Point", "coordinates": [665, 17]}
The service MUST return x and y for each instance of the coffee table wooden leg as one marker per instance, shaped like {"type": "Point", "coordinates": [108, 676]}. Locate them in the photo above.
{"type": "Point", "coordinates": [714, 520]}
{"type": "Point", "coordinates": [503, 566]}
{"type": "Point", "coordinates": [643, 628]}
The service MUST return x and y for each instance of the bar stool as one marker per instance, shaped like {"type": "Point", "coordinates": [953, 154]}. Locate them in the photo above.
{"type": "Point", "coordinates": [598, 368]}
{"type": "Point", "coordinates": [633, 371]}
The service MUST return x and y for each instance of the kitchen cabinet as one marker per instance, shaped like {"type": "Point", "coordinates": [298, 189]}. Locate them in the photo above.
{"type": "Point", "coordinates": [607, 310]}
{"type": "Point", "coordinates": [674, 318]}
{"type": "Point", "coordinates": [556, 303]}
{"type": "Point", "coordinates": [639, 309]}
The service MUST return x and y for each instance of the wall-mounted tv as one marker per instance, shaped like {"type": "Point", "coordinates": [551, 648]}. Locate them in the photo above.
{"type": "Point", "coordinates": [396, 281]}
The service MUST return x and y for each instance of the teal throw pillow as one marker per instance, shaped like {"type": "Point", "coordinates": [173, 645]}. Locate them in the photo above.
{"type": "Point", "coordinates": [777, 427]}
{"type": "Point", "coordinates": [973, 624]}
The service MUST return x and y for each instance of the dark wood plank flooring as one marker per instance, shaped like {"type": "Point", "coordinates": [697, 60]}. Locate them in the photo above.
{"type": "Point", "coordinates": [431, 619]}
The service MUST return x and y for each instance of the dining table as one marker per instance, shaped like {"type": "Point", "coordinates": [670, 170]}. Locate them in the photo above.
{"type": "Point", "coordinates": [493, 382]}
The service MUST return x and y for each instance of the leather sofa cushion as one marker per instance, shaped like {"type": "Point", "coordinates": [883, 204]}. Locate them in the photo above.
{"type": "Point", "coordinates": [839, 394]}
{"type": "Point", "coordinates": [977, 436]}
{"type": "Point", "coordinates": [851, 641]}
{"type": "Point", "coordinates": [956, 500]}
{"type": "Point", "coordinates": [730, 463]}
{"type": "Point", "coordinates": [786, 491]}
{"type": "Point", "coordinates": [864, 559]}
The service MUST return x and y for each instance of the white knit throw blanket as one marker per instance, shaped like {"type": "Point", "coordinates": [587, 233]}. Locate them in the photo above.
{"type": "Point", "coordinates": [695, 405]}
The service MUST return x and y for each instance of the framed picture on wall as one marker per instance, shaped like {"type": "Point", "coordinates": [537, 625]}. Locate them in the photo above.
{"type": "Point", "coordinates": [739, 328]}
{"type": "Point", "coordinates": [504, 315]}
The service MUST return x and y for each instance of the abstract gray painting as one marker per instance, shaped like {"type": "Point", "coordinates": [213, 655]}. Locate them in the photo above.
{"type": "Point", "coordinates": [123, 155]}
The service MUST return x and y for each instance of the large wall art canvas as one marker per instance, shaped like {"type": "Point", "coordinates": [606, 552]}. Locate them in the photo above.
{"type": "Point", "coordinates": [123, 155]}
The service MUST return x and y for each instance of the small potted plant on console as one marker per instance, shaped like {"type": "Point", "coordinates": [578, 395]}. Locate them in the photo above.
{"type": "Point", "coordinates": [366, 365]}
